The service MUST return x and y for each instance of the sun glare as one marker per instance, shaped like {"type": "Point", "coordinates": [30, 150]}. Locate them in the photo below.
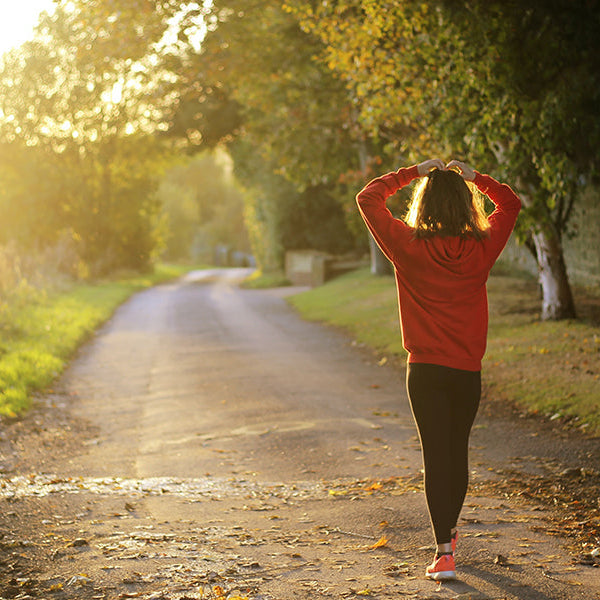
{"type": "Point", "coordinates": [18, 19]}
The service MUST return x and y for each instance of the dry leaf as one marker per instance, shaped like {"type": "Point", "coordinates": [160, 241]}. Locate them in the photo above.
{"type": "Point", "coordinates": [219, 591]}
{"type": "Point", "coordinates": [374, 486]}
{"type": "Point", "coordinates": [380, 543]}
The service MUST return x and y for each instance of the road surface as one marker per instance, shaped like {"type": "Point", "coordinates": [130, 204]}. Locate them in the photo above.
{"type": "Point", "coordinates": [208, 443]}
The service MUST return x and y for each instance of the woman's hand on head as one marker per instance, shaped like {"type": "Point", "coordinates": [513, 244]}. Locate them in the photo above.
{"type": "Point", "coordinates": [428, 165]}
{"type": "Point", "coordinates": [467, 172]}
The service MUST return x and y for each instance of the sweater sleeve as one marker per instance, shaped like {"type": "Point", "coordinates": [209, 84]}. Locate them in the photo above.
{"type": "Point", "coordinates": [371, 202]}
{"type": "Point", "coordinates": [504, 217]}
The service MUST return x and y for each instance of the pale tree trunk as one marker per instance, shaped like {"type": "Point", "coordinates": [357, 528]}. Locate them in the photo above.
{"type": "Point", "coordinates": [557, 299]}
{"type": "Point", "coordinates": [380, 265]}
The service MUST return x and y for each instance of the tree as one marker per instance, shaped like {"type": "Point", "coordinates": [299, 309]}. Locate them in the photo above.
{"type": "Point", "coordinates": [545, 63]}
{"type": "Point", "coordinates": [203, 205]}
{"type": "Point", "coordinates": [279, 217]}
{"type": "Point", "coordinates": [450, 78]}
{"type": "Point", "coordinates": [295, 132]}
{"type": "Point", "coordinates": [83, 99]}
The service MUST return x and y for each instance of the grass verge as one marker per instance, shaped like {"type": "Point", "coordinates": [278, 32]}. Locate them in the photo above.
{"type": "Point", "coordinates": [262, 280]}
{"type": "Point", "coordinates": [551, 369]}
{"type": "Point", "coordinates": [39, 335]}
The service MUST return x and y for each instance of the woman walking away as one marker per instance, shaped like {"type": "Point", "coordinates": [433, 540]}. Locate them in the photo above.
{"type": "Point", "coordinates": [442, 254]}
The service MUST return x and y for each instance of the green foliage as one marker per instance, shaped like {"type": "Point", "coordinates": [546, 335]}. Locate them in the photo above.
{"type": "Point", "coordinates": [265, 194]}
{"type": "Point", "coordinates": [80, 105]}
{"type": "Point", "coordinates": [295, 113]}
{"type": "Point", "coordinates": [181, 218]}
{"type": "Point", "coordinates": [281, 218]}
{"type": "Point", "coordinates": [115, 208]}
{"type": "Point", "coordinates": [511, 87]}
{"type": "Point", "coordinates": [203, 206]}
{"type": "Point", "coordinates": [297, 134]}
{"type": "Point", "coordinates": [315, 220]}
{"type": "Point", "coordinates": [31, 211]}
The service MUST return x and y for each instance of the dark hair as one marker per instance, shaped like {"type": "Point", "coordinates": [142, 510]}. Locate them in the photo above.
{"type": "Point", "coordinates": [443, 204]}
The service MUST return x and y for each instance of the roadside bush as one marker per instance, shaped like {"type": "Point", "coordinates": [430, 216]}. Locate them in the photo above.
{"type": "Point", "coordinates": [27, 277]}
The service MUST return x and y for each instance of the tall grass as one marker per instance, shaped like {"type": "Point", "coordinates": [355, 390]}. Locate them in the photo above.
{"type": "Point", "coordinates": [45, 316]}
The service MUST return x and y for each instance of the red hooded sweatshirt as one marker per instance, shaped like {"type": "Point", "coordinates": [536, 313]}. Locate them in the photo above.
{"type": "Point", "coordinates": [441, 281]}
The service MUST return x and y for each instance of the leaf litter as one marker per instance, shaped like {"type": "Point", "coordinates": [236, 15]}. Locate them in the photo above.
{"type": "Point", "coordinates": [211, 556]}
{"type": "Point", "coordinates": [573, 497]}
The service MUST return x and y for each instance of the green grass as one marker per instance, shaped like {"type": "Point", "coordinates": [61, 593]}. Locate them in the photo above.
{"type": "Point", "coordinates": [39, 335]}
{"type": "Point", "coordinates": [363, 305]}
{"type": "Point", "coordinates": [546, 368]}
{"type": "Point", "coordinates": [262, 280]}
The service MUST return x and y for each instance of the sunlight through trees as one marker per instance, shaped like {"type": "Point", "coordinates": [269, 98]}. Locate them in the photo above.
{"type": "Point", "coordinates": [309, 99]}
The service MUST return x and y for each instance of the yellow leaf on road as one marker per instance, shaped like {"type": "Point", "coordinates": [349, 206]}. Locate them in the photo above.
{"type": "Point", "coordinates": [380, 543]}
{"type": "Point", "coordinates": [374, 486]}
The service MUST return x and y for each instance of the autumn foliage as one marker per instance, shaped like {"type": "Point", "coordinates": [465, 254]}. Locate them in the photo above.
{"type": "Point", "coordinates": [310, 99]}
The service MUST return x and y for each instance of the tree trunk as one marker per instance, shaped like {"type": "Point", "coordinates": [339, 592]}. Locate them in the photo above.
{"type": "Point", "coordinates": [380, 265]}
{"type": "Point", "coordinates": [557, 299]}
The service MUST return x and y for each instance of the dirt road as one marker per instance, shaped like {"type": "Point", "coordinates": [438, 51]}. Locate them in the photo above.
{"type": "Point", "coordinates": [208, 443]}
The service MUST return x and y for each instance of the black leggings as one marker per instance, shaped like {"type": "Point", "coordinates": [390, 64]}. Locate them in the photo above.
{"type": "Point", "coordinates": [444, 403]}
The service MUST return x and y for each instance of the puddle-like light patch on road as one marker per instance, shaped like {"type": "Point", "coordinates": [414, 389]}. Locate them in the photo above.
{"type": "Point", "coordinates": [192, 488]}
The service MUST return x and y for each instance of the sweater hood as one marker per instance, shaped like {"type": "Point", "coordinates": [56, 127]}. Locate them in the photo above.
{"type": "Point", "coordinates": [454, 254]}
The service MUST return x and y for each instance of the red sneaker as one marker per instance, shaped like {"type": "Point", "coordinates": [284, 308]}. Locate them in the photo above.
{"type": "Point", "coordinates": [453, 541]}
{"type": "Point", "coordinates": [442, 568]}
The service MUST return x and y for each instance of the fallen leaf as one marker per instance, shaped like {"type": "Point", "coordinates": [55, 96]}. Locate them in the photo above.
{"type": "Point", "coordinates": [374, 486]}
{"type": "Point", "coordinates": [219, 591]}
{"type": "Point", "coordinates": [380, 543]}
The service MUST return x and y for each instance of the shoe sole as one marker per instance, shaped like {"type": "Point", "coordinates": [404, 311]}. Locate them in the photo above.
{"type": "Point", "coordinates": [441, 575]}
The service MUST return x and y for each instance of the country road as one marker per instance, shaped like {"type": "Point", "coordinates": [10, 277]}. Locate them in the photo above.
{"type": "Point", "coordinates": [209, 443]}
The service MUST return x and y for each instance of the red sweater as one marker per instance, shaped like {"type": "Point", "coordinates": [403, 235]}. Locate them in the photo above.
{"type": "Point", "coordinates": [441, 280]}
